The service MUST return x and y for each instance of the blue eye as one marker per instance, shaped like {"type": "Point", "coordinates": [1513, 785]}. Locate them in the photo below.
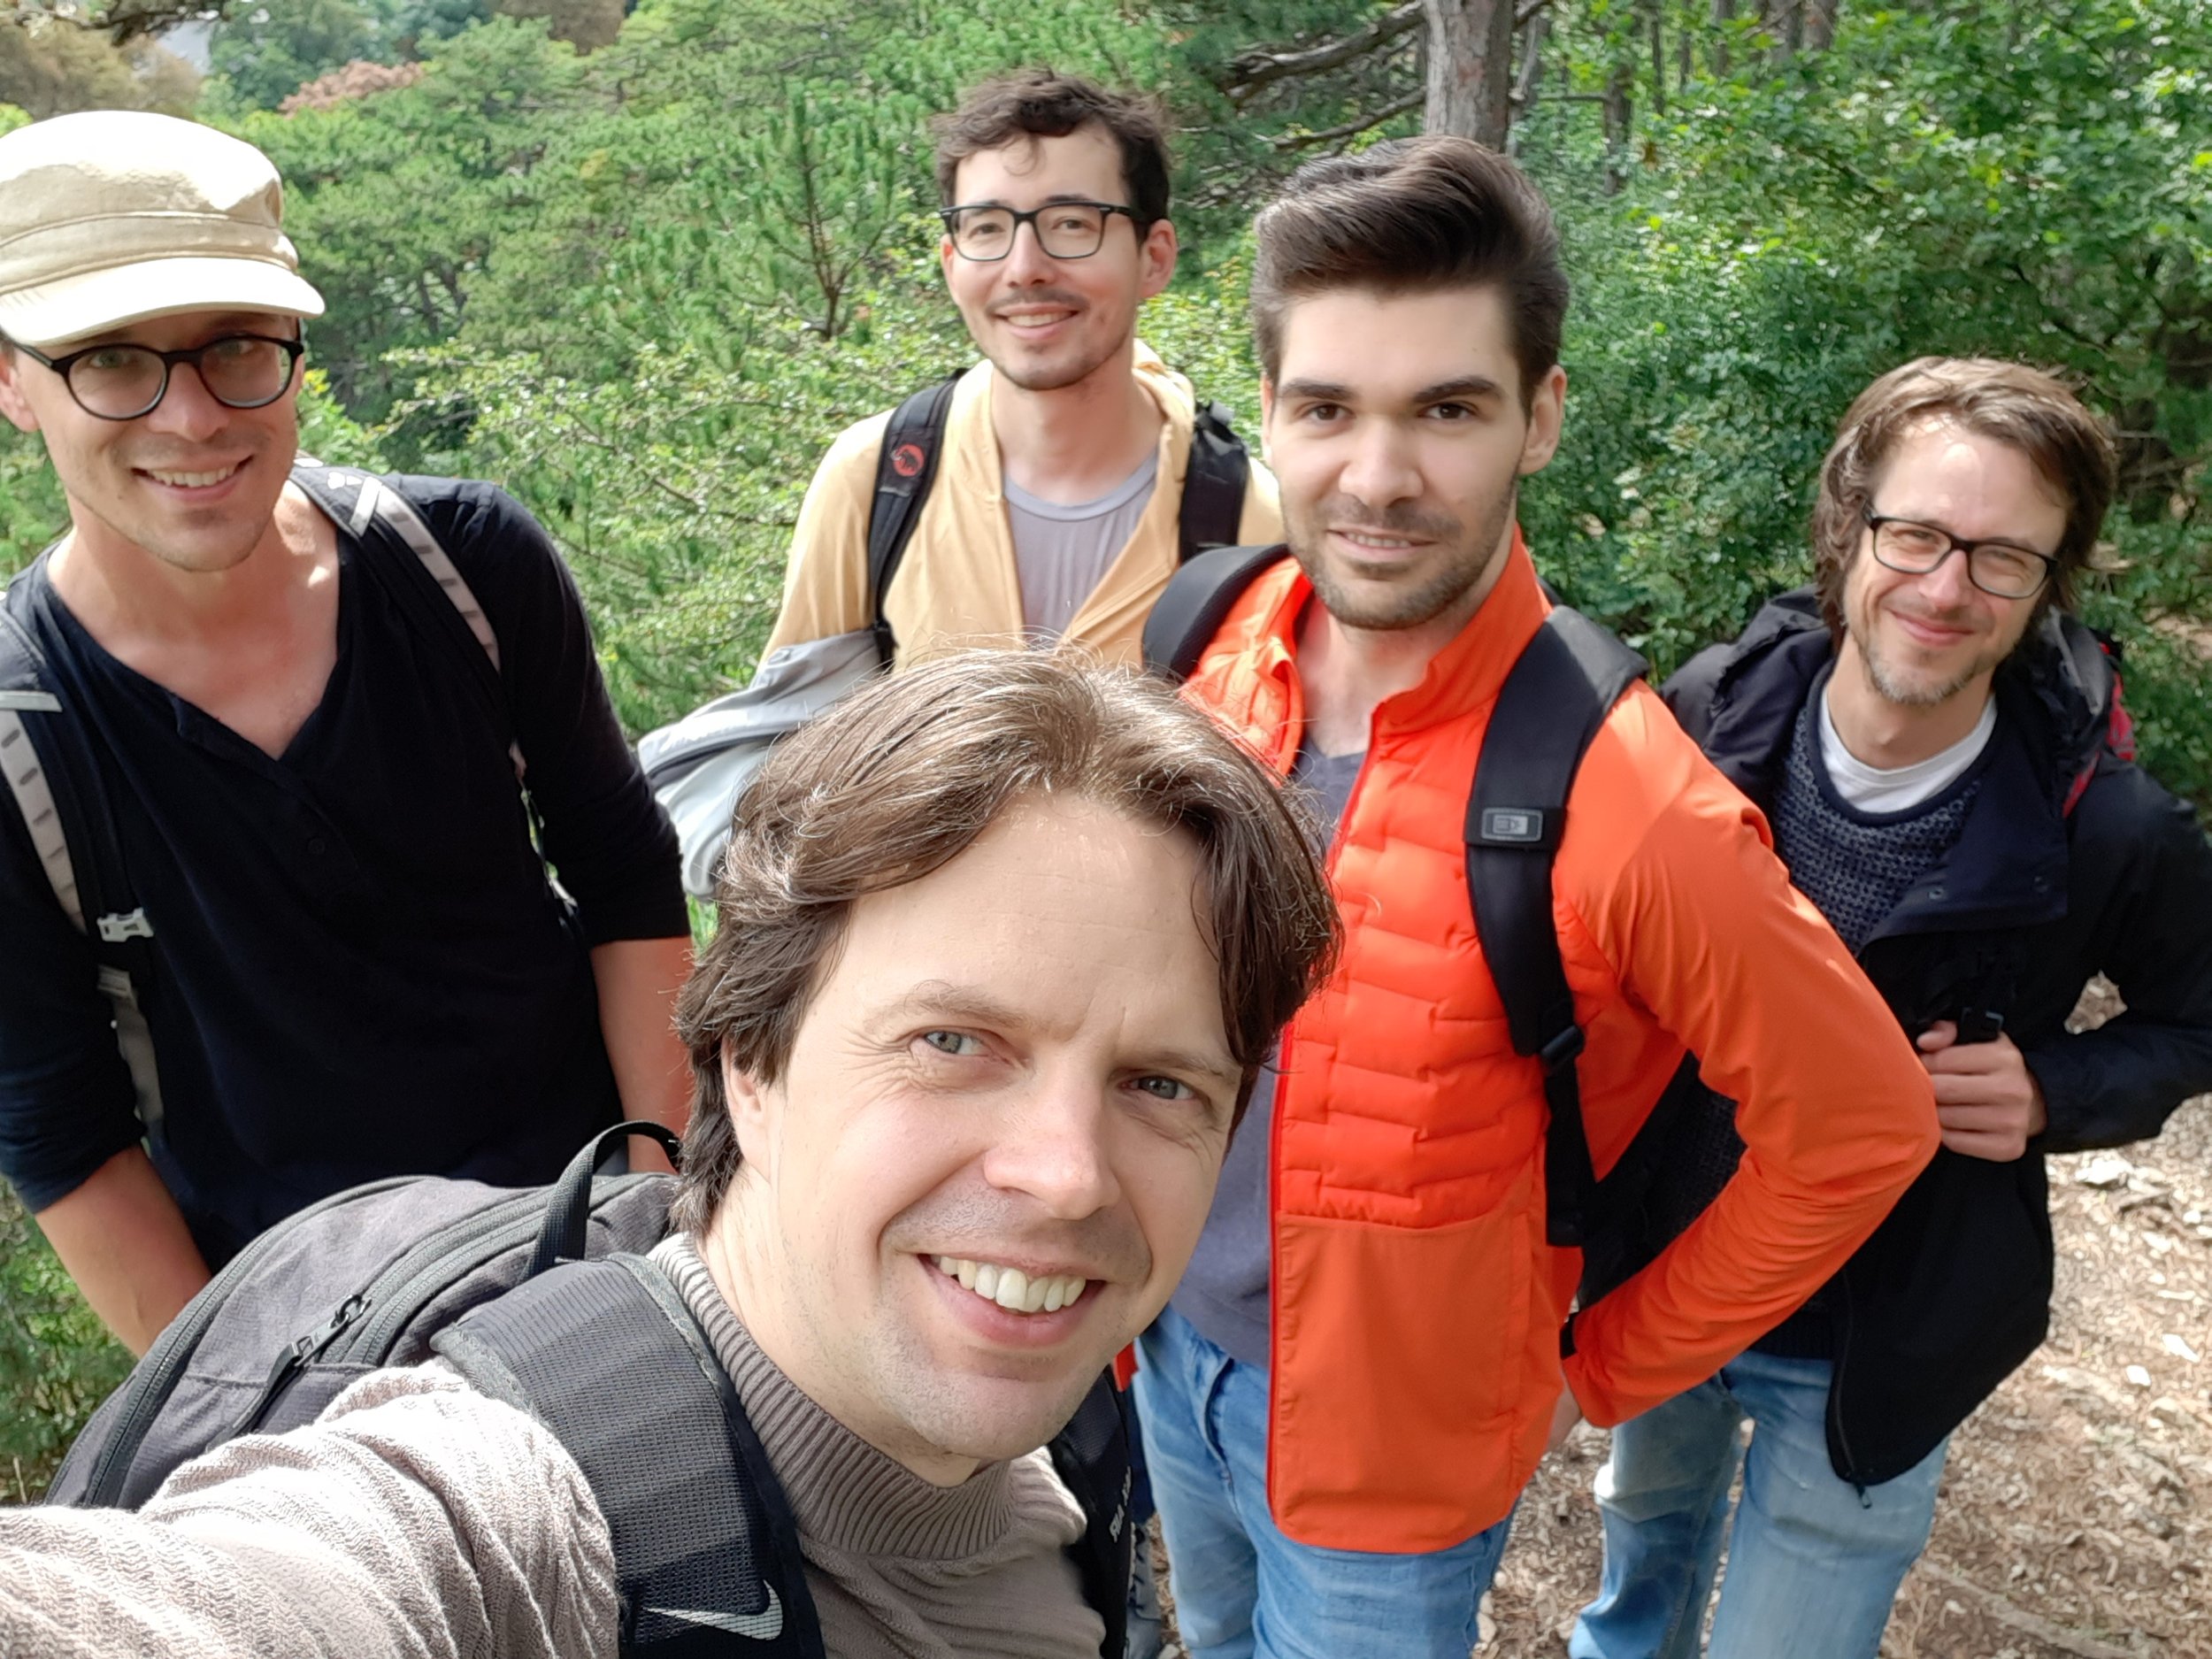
{"type": "Point", "coordinates": [1166, 1089]}
{"type": "Point", "coordinates": [957, 1043]}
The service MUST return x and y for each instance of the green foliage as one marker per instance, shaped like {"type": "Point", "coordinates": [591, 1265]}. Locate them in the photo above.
{"type": "Point", "coordinates": [2033, 186]}
{"type": "Point", "coordinates": [265, 53]}
{"type": "Point", "coordinates": [57, 1360]}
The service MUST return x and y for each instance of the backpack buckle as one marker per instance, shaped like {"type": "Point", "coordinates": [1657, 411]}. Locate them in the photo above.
{"type": "Point", "coordinates": [1512, 826]}
{"type": "Point", "coordinates": [115, 928]}
{"type": "Point", "coordinates": [1563, 1050]}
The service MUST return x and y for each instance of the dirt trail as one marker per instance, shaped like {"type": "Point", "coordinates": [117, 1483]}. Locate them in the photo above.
{"type": "Point", "coordinates": [2075, 1520]}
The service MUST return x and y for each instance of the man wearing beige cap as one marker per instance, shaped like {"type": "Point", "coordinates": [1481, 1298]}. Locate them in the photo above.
{"type": "Point", "coordinates": [279, 917]}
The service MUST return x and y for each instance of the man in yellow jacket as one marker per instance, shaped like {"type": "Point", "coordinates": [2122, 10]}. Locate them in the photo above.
{"type": "Point", "coordinates": [1056, 506]}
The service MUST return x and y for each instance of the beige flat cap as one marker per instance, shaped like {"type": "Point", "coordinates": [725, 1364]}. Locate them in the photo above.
{"type": "Point", "coordinates": [113, 216]}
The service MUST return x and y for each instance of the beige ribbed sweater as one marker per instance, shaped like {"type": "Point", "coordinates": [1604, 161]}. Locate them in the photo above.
{"type": "Point", "coordinates": [419, 1519]}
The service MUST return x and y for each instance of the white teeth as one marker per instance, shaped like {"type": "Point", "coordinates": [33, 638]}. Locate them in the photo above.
{"type": "Point", "coordinates": [1011, 1288]}
{"type": "Point", "coordinates": [191, 480]}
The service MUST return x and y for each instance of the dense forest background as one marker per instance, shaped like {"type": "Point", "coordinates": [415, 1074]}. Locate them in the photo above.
{"type": "Point", "coordinates": [640, 267]}
{"type": "Point", "coordinates": [639, 263]}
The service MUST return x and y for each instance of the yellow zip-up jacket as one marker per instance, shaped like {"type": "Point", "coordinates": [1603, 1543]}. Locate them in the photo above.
{"type": "Point", "coordinates": [957, 584]}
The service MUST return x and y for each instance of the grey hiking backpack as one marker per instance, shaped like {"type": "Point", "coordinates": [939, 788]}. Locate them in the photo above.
{"type": "Point", "coordinates": [539, 1297]}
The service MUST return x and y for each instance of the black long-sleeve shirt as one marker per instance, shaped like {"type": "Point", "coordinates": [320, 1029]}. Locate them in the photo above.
{"type": "Point", "coordinates": [359, 966]}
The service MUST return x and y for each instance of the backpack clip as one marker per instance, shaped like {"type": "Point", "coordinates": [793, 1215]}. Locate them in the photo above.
{"type": "Point", "coordinates": [1564, 1049]}
{"type": "Point", "coordinates": [115, 928]}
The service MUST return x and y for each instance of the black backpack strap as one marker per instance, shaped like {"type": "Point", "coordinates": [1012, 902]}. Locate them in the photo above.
{"type": "Point", "coordinates": [906, 467]}
{"type": "Point", "coordinates": [1197, 600]}
{"type": "Point", "coordinates": [1213, 486]}
{"type": "Point", "coordinates": [607, 1356]}
{"type": "Point", "coordinates": [1092, 1457]}
{"type": "Point", "coordinates": [1554, 701]}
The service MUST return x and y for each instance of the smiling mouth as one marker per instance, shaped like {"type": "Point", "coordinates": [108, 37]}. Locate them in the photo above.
{"type": "Point", "coordinates": [1378, 542]}
{"type": "Point", "coordinates": [1036, 318]}
{"type": "Point", "coordinates": [1011, 1288]}
{"type": "Point", "coordinates": [191, 480]}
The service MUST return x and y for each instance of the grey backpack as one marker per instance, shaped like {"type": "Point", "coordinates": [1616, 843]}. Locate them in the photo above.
{"type": "Point", "coordinates": [540, 1298]}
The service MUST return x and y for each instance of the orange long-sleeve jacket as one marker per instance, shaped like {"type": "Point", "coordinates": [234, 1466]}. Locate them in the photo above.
{"type": "Point", "coordinates": [1416, 1305]}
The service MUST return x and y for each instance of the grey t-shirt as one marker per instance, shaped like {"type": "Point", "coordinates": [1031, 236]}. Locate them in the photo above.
{"type": "Point", "coordinates": [1224, 1293]}
{"type": "Point", "coordinates": [1062, 550]}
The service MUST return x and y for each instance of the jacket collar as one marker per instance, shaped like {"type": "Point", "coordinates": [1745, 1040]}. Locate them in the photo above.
{"type": "Point", "coordinates": [1463, 678]}
{"type": "Point", "coordinates": [971, 457]}
{"type": "Point", "coordinates": [2059, 685]}
{"type": "Point", "coordinates": [2054, 705]}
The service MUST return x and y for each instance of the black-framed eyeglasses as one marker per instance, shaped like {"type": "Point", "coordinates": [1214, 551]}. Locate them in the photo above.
{"type": "Point", "coordinates": [2003, 570]}
{"type": "Point", "coordinates": [122, 383]}
{"type": "Point", "coordinates": [1064, 230]}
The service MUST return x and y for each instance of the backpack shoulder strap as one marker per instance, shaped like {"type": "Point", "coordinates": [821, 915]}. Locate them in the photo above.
{"type": "Point", "coordinates": [607, 1356]}
{"type": "Point", "coordinates": [24, 690]}
{"type": "Point", "coordinates": [1213, 485]}
{"type": "Point", "coordinates": [906, 467]}
{"type": "Point", "coordinates": [1091, 1456]}
{"type": "Point", "coordinates": [1197, 600]}
{"type": "Point", "coordinates": [121, 935]}
{"type": "Point", "coordinates": [364, 502]}
{"type": "Point", "coordinates": [1554, 701]}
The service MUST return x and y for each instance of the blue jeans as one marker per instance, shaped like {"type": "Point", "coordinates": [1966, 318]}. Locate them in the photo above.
{"type": "Point", "coordinates": [1244, 1591]}
{"type": "Point", "coordinates": [1813, 1562]}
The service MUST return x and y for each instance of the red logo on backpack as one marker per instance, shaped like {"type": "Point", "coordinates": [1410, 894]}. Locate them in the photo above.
{"type": "Point", "coordinates": [907, 460]}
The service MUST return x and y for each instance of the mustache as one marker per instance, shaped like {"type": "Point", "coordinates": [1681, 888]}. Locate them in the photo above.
{"type": "Point", "coordinates": [1346, 512]}
{"type": "Point", "coordinates": [1031, 298]}
{"type": "Point", "coordinates": [985, 1224]}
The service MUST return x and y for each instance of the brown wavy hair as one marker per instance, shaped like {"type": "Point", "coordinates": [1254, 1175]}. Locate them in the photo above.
{"type": "Point", "coordinates": [904, 775]}
{"type": "Point", "coordinates": [2031, 410]}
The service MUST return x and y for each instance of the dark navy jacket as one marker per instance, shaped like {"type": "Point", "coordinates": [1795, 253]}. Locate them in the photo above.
{"type": "Point", "coordinates": [358, 967]}
{"type": "Point", "coordinates": [2072, 862]}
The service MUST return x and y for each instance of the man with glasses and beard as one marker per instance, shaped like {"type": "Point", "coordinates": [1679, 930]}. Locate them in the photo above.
{"type": "Point", "coordinates": [1055, 505]}
{"type": "Point", "coordinates": [1939, 744]}
{"type": "Point", "coordinates": [279, 916]}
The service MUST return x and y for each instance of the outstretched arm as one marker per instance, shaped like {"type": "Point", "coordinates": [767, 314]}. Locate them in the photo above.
{"type": "Point", "coordinates": [417, 1518]}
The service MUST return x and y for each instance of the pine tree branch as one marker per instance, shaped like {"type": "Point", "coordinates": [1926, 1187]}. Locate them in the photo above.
{"type": "Point", "coordinates": [1247, 74]}
{"type": "Point", "coordinates": [1350, 129]}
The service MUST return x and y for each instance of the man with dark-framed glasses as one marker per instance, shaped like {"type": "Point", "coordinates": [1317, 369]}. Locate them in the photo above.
{"type": "Point", "coordinates": [1940, 745]}
{"type": "Point", "coordinates": [1055, 485]}
{"type": "Point", "coordinates": [275, 921]}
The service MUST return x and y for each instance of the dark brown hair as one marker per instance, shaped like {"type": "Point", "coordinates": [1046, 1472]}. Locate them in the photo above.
{"type": "Point", "coordinates": [904, 775]}
{"type": "Point", "coordinates": [1410, 217]}
{"type": "Point", "coordinates": [1039, 103]}
{"type": "Point", "coordinates": [2011, 403]}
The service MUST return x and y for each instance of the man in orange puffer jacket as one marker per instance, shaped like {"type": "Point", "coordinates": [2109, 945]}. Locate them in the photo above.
{"type": "Point", "coordinates": [1364, 1365]}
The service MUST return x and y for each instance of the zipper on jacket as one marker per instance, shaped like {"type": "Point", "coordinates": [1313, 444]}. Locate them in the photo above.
{"type": "Point", "coordinates": [157, 1375]}
{"type": "Point", "coordinates": [1850, 1471]}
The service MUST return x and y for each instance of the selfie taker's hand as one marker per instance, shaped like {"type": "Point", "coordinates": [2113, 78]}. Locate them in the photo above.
{"type": "Point", "coordinates": [1564, 1415]}
{"type": "Point", "coordinates": [1987, 1102]}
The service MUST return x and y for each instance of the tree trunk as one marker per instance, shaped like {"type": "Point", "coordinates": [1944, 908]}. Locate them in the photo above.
{"type": "Point", "coordinates": [1531, 71]}
{"type": "Point", "coordinates": [1820, 24]}
{"type": "Point", "coordinates": [1470, 67]}
{"type": "Point", "coordinates": [1724, 12]}
{"type": "Point", "coordinates": [1617, 114]}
